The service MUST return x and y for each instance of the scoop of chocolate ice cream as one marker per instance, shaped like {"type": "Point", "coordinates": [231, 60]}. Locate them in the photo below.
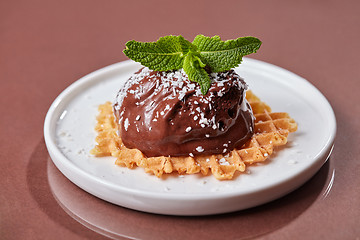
{"type": "Point", "coordinates": [165, 114]}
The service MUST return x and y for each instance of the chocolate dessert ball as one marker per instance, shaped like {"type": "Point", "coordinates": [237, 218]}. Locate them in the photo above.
{"type": "Point", "coordinates": [165, 114]}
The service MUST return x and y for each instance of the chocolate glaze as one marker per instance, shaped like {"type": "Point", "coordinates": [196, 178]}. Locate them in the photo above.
{"type": "Point", "coordinates": [164, 114]}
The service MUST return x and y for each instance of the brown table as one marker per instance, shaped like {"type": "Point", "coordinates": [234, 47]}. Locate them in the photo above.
{"type": "Point", "coordinates": [47, 45]}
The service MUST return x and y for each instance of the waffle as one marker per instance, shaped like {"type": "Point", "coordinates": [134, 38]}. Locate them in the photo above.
{"type": "Point", "coordinates": [271, 130]}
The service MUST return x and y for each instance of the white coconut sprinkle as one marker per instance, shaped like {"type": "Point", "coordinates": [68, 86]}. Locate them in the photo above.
{"type": "Point", "coordinates": [126, 124]}
{"type": "Point", "coordinates": [199, 149]}
{"type": "Point", "coordinates": [223, 161]}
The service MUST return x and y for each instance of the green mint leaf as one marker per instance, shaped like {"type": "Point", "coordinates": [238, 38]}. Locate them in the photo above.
{"type": "Point", "coordinates": [167, 53]}
{"type": "Point", "coordinates": [223, 55]}
{"type": "Point", "coordinates": [175, 52]}
{"type": "Point", "coordinates": [194, 68]}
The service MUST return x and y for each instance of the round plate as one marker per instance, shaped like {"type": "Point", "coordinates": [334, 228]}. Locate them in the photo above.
{"type": "Point", "coordinates": [69, 136]}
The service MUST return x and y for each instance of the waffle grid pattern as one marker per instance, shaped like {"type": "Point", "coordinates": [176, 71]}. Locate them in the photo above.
{"type": "Point", "coordinates": [271, 130]}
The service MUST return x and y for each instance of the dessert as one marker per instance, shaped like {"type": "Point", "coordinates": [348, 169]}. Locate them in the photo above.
{"type": "Point", "coordinates": [164, 114]}
{"type": "Point", "coordinates": [192, 114]}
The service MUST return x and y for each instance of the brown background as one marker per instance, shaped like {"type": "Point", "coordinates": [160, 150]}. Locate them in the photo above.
{"type": "Point", "coordinates": [45, 45]}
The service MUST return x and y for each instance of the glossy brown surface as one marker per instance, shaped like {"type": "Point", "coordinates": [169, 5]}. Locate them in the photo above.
{"type": "Point", "coordinates": [47, 45]}
{"type": "Point", "coordinates": [165, 114]}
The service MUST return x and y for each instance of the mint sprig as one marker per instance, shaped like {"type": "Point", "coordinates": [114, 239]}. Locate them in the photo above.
{"type": "Point", "coordinates": [175, 52]}
{"type": "Point", "coordinates": [194, 68]}
{"type": "Point", "coordinates": [166, 54]}
{"type": "Point", "coordinates": [223, 55]}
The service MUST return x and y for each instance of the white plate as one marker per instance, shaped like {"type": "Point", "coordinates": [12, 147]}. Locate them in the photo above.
{"type": "Point", "coordinates": [69, 137]}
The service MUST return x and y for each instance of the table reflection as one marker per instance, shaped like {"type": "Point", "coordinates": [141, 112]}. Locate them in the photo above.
{"type": "Point", "coordinates": [118, 222]}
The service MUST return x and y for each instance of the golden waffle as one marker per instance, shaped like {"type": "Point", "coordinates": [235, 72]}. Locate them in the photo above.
{"type": "Point", "coordinates": [271, 130]}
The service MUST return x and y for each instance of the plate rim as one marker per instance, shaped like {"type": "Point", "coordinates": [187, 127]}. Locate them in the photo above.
{"type": "Point", "coordinates": [66, 166]}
